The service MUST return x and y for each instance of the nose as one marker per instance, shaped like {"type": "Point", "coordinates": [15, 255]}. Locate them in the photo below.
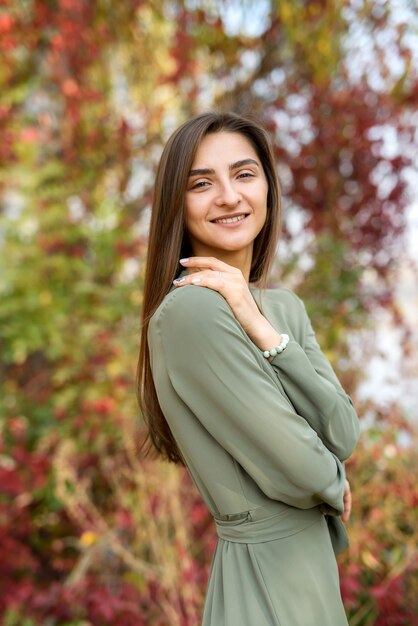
{"type": "Point", "coordinates": [228, 195]}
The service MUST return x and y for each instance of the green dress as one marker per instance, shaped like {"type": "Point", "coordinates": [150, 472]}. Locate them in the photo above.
{"type": "Point", "coordinates": [264, 442]}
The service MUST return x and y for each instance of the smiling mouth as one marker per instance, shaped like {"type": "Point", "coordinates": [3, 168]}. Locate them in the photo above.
{"type": "Point", "coordinates": [230, 220]}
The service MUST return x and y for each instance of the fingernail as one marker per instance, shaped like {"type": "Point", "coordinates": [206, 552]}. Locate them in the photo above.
{"type": "Point", "coordinates": [184, 260]}
{"type": "Point", "coordinates": [196, 280]}
{"type": "Point", "coordinates": [177, 281]}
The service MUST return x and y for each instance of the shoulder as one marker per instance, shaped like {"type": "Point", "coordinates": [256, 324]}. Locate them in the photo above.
{"type": "Point", "coordinates": [283, 294]}
{"type": "Point", "coordinates": [283, 297]}
{"type": "Point", "coordinates": [193, 324]}
{"type": "Point", "coordinates": [191, 307]}
{"type": "Point", "coordinates": [189, 299]}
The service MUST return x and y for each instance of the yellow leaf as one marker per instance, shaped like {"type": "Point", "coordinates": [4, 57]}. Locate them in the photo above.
{"type": "Point", "coordinates": [88, 538]}
{"type": "Point", "coordinates": [369, 560]}
{"type": "Point", "coordinates": [45, 298]}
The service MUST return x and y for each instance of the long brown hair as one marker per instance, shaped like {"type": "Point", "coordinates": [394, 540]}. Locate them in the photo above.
{"type": "Point", "coordinates": [168, 242]}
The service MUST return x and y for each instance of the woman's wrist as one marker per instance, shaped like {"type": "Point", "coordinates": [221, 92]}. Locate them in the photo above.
{"type": "Point", "coordinates": [264, 335]}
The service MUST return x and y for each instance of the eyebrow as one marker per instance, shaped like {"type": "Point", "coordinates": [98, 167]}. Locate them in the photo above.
{"type": "Point", "coordinates": [232, 166]}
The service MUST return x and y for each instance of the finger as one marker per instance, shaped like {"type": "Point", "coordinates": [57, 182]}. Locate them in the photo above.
{"type": "Point", "coordinates": [346, 515]}
{"type": "Point", "coordinates": [347, 503]}
{"type": "Point", "coordinates": [209, 263]}
{"type": "Point", "coordinates": [215, 280]}
{"type": "Point", "coordinates": [347, 512]}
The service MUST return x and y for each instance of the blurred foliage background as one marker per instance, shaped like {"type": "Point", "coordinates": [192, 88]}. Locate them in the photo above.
{"type": "Point", "coordinates": [90, 532]}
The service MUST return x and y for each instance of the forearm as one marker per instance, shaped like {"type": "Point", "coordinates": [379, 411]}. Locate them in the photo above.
{"type": "Point", "coordinates": [311, 385]}
{"type": "Point", "coordinates": [317, 395]}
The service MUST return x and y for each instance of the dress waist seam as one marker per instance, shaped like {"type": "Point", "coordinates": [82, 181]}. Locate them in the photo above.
{"type": "Point", "coordinates": [242, 528]}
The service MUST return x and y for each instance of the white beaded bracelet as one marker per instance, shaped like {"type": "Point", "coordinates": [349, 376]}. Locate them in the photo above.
{"type": "Point", "coordinates": [278, 349]}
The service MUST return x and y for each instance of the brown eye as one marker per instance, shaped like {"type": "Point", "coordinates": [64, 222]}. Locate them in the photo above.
{"type": "Point", "coordinates": [199, 184]}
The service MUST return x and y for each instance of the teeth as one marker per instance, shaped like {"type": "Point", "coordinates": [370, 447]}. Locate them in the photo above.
{"type": "Point", "coordinates": [230, 220]}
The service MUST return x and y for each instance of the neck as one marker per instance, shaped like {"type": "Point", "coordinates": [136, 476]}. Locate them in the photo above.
{"type": "Point", "coordinates": [240, 259]}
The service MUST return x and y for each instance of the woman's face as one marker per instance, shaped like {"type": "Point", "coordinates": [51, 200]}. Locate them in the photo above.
{"type": "Point", "coordinates": [226, 197]}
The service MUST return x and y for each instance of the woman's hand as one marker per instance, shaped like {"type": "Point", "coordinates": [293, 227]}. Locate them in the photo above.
{"type": "Point", "coordinates": [230, 283]}
{"type": "Point", "coordinates": [347, 502]}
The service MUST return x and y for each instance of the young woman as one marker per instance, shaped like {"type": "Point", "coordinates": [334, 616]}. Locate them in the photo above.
{"type": "Point", "coordinates": [233, 384]}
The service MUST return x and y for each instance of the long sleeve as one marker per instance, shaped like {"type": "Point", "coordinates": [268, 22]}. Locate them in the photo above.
{"type": "Point", "coordinates": [316, 393]}
{"type": "Point", "coordinates": [227, 384]}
